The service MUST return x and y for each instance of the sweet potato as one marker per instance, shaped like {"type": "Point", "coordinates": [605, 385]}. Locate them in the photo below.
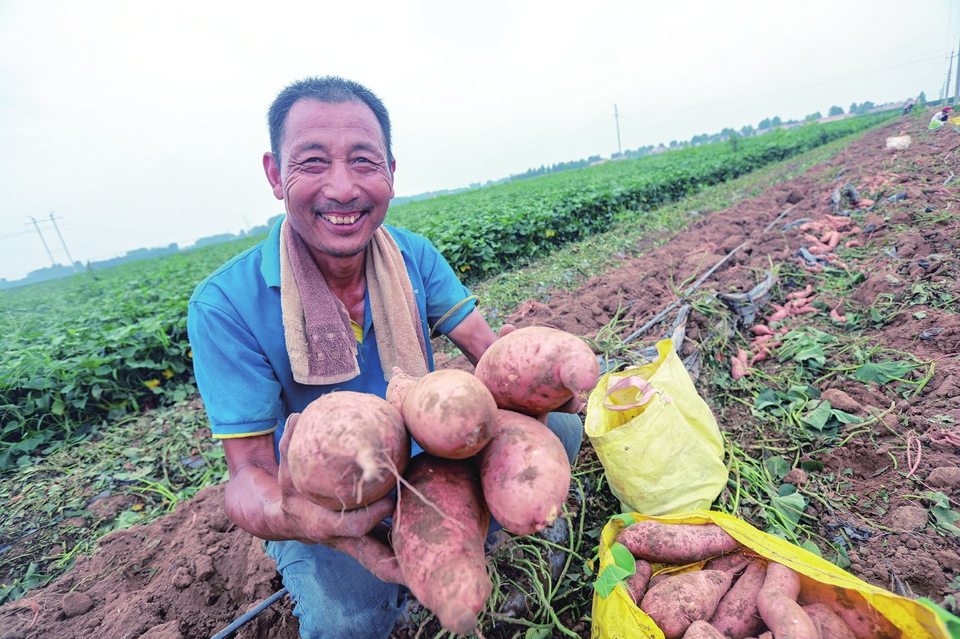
{"type": "Point", "coordinates": [439, 545]}
{"type": "Point", "coordinates": [450, 413]}
{"type": "Point", "coordinates": [828, 623]}
{"type": "Point", "coordinates": [525, 474]}
{"type": "Point", "coordinates": [777, 603]}
{"type": "Point", "coordinates": [736, 615]}
{"type": "Point", "coordinates": [862, 618]}
{"type": "Point", "coordinates": [636, 583]}
{"type": "Point", "coordinates": [702, 630]}
{"type": "Point", "coordinates": [732, 562]}
{"type": "Point", "coordinates": [535, 369]}
{"type": "Point", "coordinates": [678, 601]}
{"type": "Point", "coordinates": [676, 543]}
{"type": "Point", "coordinates": [347, 450]}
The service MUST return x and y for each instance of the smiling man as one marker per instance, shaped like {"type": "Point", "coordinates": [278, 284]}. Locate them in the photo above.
{"type": "Point", "coordinates": [332, 300]}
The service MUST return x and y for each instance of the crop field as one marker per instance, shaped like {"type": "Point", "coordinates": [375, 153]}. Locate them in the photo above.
{"type": "Point", "coordinates": [486, 231]}
{"type": "Point", "coordinates": [98, 346]}
{"type": "Point", "coordinates": [840, 429]}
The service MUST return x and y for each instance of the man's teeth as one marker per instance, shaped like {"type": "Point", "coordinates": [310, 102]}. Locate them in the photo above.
{"type": "Point", "coordinates": [338, 219]}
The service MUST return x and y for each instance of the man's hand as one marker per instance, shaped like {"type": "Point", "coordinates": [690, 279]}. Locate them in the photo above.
{"type": "Point", "coordinates": [262, 499]}
{"type": "Point", "coordinates": [349, 531]}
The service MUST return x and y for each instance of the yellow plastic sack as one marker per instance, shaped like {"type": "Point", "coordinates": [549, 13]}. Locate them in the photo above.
{"type": "Point", "coordinates": [616, 617]}
{"type": "Point", "coordinates": [656, 438]}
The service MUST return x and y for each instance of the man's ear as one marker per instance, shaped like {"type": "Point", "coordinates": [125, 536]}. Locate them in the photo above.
{"type": "Point", "coordinates": [273, 174]}
{"type": "Point", "coordinates": [393, 169]}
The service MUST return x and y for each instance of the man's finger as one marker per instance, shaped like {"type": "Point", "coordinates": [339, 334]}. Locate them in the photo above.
{"type": "Point", "coordinates": [284, 447]}
{"type": "Point", "coordinates": [359, 522]}
{"type": "Point", "coordinates": [506, 329]}
{"type": "Point", "coordinates": [375, 555]}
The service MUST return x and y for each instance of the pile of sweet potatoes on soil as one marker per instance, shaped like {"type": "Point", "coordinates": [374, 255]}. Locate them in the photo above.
{"type": "Point", "coordinates": [488, 452]}
{"type": "Point", "coordinates": [728, 592]}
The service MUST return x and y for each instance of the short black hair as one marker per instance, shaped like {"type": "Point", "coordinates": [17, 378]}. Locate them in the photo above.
{"type": "Point", "coordinates": [329, 89]}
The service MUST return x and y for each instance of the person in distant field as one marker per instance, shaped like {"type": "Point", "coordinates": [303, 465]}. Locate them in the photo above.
{"type": "Point", "coordinates": [940, 118]}
{"type": "Point", "coordinates": [332, 300]}
{"type": "Point", "coordinates": [908, 107]}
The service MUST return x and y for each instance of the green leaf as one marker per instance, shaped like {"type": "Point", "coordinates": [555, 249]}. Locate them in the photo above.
{"type": "Point", "coordinates": [883, 372]}
{"type": "Point", "coordinates": [845, 418]}
{"type": "Point", "coordinates": [791, 507]}
{"type": "Point", "coordinates": [537, 633]}
{"type": "Point", "coordinates": [623, 558]}
{"type": "Point", "coordinates": [608, 579]}
{"type": "Point", "coordinates": [625, 518]}
{"type": "Point", "coordinates": [624, 565]}
{"type": "Point", "coordinates": [946, 518]}
{"type": "Point", "coordinates": [809, 546]}
{"type": "Point", "coordinates": [767, 398]}
{"type": "Point", "coordinates": [778, 467]}
{"type": "Point", "coordinates": [817, 418]}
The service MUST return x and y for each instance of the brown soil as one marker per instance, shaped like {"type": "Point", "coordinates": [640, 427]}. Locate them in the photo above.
{"type": "Point", "coordinates": [189, 574]}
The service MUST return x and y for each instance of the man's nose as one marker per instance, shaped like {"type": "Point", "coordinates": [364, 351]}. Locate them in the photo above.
{"type": "Point", "coordinates": [340, 183]}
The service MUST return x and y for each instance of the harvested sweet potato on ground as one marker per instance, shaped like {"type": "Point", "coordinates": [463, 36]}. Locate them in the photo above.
{"type": "Point", "coordinates": [702, 630]}
{"type": "Point", "coordinates": [525, 474]}
{"type": "Point", "coordinates": [636, 583]}
{"type": "Point", "coordinates": [678, 601]}
{"type": "Point", "coordinates": [439, 544]}
{"type": "Point", "coordinates": [828, 623]}
{"type": "Point", "coordinates": [736, 615]}
{"type": "Point", "coordinates": [535, 370]}
{"type": "Point", "coordinates": [777, 603]}
{"type": "Point", "coordinates": [676, 543]}
{"type": "Point", "coordinates": [347, 450]}
{"type": "Point", "coordinates": [450, 413]}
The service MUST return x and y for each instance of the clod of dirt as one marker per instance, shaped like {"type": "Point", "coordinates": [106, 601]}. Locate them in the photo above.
{"type": "Point", "coordinates": [169, 630]}
{"type": "Point", "coordinates": [948, 559]}
{"type": "Point", "coordinates": [76, 603]}
{"type": "Point", "coordinates": [797, 476]}
{"type": "Point", "coordinates": [948, 477]}
{"type": "Point", "coordinates": [948, 388]}
{"type": "Point", "coordinates": [841, 401]}
{"type": "Point", "coordinates": [909, 518]}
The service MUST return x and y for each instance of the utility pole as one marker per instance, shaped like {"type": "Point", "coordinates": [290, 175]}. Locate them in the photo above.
{"type": "Point", "coordinates": [49, 254]}
{"type": "Point", "coordinates": [616, 117]}
{"type": "Point", "coordinates": [946, 87]}
{"type": "Point", "coordinates": [62, 243]}
{"type": "Point", "coordinates": [956, 92]}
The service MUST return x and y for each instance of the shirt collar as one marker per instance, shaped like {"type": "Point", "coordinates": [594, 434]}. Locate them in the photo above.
{"type": "Point", "coordinates": [270, 252]}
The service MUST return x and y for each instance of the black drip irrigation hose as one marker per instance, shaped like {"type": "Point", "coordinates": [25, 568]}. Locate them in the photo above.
{"type": "Point", "coordinates": [250, 614]}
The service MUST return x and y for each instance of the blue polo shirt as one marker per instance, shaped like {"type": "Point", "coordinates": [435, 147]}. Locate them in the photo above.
{"type": "Point", "coordinates": [236, 333]}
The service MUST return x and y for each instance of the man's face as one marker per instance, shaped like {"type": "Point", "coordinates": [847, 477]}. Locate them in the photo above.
{"type": "Point", "coordinates": [333, 176]}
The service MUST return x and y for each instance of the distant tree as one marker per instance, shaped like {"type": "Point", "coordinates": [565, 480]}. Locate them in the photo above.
{"type": "Point", "coordinates": [813, 116]}
{"type": "Point", "coordinates": [765, 124]}
{"type": "Point", "coordinates": [835, 110]}
{"type": "Point", "coordinates": [673, 144]}
{"type": "Point", "coordinates": [746, 131]}
{"type": "Point", "coordinates": [776, 121]}
{"type": "Point", "coordinates": [922, 98]}
{"type": "Point", "coordinates": [853, 108]}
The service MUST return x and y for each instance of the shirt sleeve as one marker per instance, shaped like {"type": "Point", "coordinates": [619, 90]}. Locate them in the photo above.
{"type": "Point", "coordinates": [240, 390]}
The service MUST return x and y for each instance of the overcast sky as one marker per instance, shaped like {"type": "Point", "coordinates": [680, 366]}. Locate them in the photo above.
{"type": "Point", "coordinates": [139, 124]}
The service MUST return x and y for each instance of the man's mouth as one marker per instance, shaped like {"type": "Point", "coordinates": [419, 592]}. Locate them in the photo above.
{"type": "Point", "coordinates": [340, 219]}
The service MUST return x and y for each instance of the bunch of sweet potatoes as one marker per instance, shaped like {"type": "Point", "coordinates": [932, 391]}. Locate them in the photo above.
{"type": "Point", "coordinates": [487, 452]}
{"type": "Point", "coordinates": [707, 586]}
